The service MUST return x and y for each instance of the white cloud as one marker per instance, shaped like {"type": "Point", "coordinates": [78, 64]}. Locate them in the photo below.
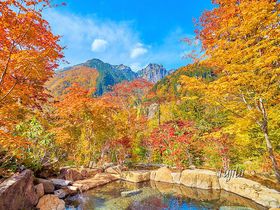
{"type": "Point", "coordinates": [89, 37]}
{"type": "Point", "coordinates": [113, 42]}
{"type": "Point", "coordinates": [99, 45]}
{"type": "Point", "coordinates": [138, 51]}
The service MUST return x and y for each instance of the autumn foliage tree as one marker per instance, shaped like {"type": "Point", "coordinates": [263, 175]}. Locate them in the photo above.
{"type": "Point", "coordinates": [130, 119]}
{"type": "Point", "coordinates": [101, 129]}
{"type": "Point", "coordinates": [84, 125]}
{"type": "Point", "coordinates": [241, 39]}
{"type": "Point", "coordinates": [29, 53]}
{"type": "Point", "coordinates": [174, 142]}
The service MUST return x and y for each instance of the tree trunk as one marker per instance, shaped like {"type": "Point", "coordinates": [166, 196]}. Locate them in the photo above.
{"type": "Point", "coordinates": [271, 154]}
{"type": "Point", "coordinates": [264, 127]}
{"type": "Point", "coordinates": [189, 156]}
{"type": "Point", "coordinates": [159, 114]}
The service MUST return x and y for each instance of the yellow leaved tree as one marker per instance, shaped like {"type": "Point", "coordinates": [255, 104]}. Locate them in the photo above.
{"type": "Point", "coordinates": [241, 39]}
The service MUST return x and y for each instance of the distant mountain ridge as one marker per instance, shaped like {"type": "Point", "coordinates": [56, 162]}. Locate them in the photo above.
{"type": "Point", "coordinates": [101, 75]}
{"type": "Point", "coordinates": [109, 75]}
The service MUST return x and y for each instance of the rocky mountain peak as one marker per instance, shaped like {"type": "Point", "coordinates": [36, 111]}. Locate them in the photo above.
{"type": "Point", "coordinates": [122, 67]}
{"type": "Point", "coordinates": [153, 72]}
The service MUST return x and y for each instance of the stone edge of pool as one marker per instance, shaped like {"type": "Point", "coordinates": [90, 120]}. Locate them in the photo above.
{"type": "Point", "coordinates": [41, 192]}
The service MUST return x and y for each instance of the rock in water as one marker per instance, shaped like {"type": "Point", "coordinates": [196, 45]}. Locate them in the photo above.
{"type": "Point", "coordinates": [136, 176]}
{"type": "Point", "coordinates": [164, 175]}
{"type": "Point", "coordinates": [199, 178]}
{"type": "Point", "coordinates": [176, 177]}
{"type": "Point", "coordinates": [252, 190]}
{"type": "Point", "coordinates": [130, 193]}
{"type": "Point", "coordinates": [18, 192]}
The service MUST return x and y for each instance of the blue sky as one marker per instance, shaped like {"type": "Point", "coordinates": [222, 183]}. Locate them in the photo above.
{"type": "Point", "coordinates": [131, 32]}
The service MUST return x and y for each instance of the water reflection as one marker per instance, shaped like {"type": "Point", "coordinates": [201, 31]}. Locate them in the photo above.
{"type": "Point", "coordinates": [158, 196]}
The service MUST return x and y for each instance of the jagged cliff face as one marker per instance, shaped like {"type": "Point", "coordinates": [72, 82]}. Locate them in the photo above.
{"type": "Point", "coordinates": [153, 73]}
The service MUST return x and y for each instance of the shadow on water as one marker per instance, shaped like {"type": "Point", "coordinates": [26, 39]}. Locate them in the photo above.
{"type": "Point", "coordinates": [158, 196]}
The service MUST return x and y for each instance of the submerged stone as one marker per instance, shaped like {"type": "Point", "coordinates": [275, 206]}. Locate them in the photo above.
{"type": "Point", "coordinates": [130, 193]}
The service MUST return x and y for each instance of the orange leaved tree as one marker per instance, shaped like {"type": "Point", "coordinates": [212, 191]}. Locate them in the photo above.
{"type": "Point", "coordinates": [29, 53]}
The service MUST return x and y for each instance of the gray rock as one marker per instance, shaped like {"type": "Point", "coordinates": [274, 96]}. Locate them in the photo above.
{"type": "Point", "coordinates": [60, 182]}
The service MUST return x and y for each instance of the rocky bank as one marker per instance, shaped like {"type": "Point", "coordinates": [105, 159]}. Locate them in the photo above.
{"type": "Point", "coordinates": [28, 192]}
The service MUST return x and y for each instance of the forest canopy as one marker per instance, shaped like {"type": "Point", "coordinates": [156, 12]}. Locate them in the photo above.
{"type": "Point", "coordinates": [221, 111]}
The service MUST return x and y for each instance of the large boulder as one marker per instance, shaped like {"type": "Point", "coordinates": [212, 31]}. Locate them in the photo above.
{"type": "Point", "coordinates": [176, 177]}
{"type": "Point", "coordinates": [252, 190]}
{"type": "Point", "coordinates": [18, 192]}
{"type": "Point", "coordinates": [164, 175]}
{"type": "Point", "coordinates": [71, 174]}
{"type": "Point", "coordinates": [48, 185]}
{"type": "Point", "coordinates": [50, 202]}
{"type": "Point", "coordinates": [199, 178]}
{"type": "Point", "coordinates": [153, 175]}
{"type": "Point", "coordinates": [97, 180]}
{"type": "Point", "coordinates": [136, 176]}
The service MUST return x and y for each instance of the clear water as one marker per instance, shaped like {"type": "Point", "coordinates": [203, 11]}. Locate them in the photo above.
{"type": "Point", "coordinates": [157, 196]}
